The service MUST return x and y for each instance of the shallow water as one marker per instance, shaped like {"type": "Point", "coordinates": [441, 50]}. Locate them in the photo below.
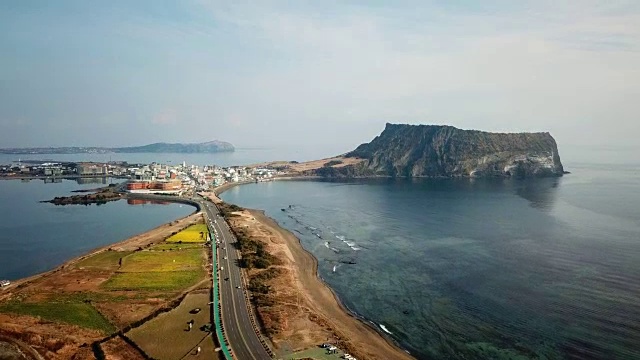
{"type": "Point", "coordinates": [488, 269]}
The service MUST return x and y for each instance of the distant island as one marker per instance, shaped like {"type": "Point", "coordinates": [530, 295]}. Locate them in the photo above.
{"type": "Point", "coordinates": [440, 151]}
{"type": "Point", "coordinates": [206, 147]}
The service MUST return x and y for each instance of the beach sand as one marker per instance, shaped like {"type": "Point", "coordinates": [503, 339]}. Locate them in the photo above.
{"type": "Point", "coordinates": [308, 311]}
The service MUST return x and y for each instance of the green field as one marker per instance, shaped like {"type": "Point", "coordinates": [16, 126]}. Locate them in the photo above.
{"type": "Point", "coordinates": [155, 261]}
{"type": "Point", "coordinates": [81, 314]}
{"type": "Point", "coordinates": [105, 260]}
{"type": "Point", "coordinates": [192, 234]}
{"type": "Point", "coordinates": [162, 280]}
{"type": "Point", "coordinates": [158, 270]}
{"type": "Point", "coordinates": [175, 246]}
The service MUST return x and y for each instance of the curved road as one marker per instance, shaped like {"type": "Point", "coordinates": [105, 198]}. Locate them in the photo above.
{"type": "Point", "coordinates": [241, 336]}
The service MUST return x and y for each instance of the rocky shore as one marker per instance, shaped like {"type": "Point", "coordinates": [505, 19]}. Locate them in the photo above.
{"type": "Point", "coordinates": [99, 196]}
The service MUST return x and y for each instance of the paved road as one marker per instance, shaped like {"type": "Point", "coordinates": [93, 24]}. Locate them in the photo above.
{"type": "Point", "coordinates": [241, 336]}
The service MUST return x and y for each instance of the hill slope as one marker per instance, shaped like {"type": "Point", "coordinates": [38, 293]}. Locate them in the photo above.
{"type": "Point", "coordinates": [446, 151]}
{"type": "Point", "coordinates": [206, 147]}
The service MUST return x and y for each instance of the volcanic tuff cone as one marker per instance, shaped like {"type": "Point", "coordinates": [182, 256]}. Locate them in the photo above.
{"type": "Point", "coordinates": [446, 151]}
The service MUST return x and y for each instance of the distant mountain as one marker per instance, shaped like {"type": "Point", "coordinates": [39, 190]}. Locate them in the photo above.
{"type": "Point", "coordinates": [206, 147]}
{"type": "Point", "coordinates": [445, 151]}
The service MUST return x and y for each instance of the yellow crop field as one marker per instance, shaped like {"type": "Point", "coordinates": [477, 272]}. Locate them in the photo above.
{"type": "Point", "coordinates": [192, 234]}
{"type": "Point", "coordinates": [175, 246]}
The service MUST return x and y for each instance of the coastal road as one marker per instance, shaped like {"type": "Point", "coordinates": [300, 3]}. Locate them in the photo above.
{"type": "Point", "coordinates": [241, 336]}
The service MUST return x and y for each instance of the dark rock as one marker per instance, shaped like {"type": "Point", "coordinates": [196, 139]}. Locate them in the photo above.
{"type": "Point", "coordinates": [445, 151]}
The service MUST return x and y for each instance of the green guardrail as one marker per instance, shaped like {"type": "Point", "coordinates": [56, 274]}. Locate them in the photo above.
{"type": "Point", "coordinates": [216, 309]}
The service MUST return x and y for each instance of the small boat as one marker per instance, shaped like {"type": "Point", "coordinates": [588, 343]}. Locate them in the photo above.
{"type": "Point", "coordinates": [4, 283]}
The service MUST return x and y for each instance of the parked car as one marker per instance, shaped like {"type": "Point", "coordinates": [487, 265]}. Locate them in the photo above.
{"type": "Point", "coordinates": [4, 283]}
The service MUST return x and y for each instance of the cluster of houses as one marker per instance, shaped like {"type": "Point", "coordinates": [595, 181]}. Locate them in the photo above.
{"type": "Point", "coordinates": [61, 169]}
{"type": "Point", "coordinates": [214, 176]}
{"type": "Point", "coordinates": [145, 178]}
{"type": "Point", "coordinates": [203, 178]}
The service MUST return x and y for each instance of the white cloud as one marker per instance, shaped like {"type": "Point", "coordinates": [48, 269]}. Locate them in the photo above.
{"type": "Point", "coordinates": [549, 65]}
{"type": "Point", "coordinates": [271, 72]}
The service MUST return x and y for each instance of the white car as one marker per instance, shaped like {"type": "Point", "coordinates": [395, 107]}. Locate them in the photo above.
{"type": "Point", "coordinates": [4, 283]}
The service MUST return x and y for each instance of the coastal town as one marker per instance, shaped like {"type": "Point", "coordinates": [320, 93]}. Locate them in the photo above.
{"type": "Point", "coordinates": [151, 178]}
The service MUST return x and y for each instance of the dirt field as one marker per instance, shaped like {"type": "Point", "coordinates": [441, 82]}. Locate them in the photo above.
{"type": "Point", "coordinates": [12, 349]}
{"type": "Point", "coordinates": [60, 313]}
{"type": "Point", "coordinates": [118, 349]}
{"type": "Point", "coordinates": [309, 165]}
{"type": "Point", "coordinates": [56, 341]}
{"type": "Point", "coordinates": [305, 310]}
{"type": "Point", "coordinates": [167, 336]}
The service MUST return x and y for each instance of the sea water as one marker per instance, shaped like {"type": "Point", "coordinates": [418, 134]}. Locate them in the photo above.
{"type": "Point", "coordinates": [488, 269]}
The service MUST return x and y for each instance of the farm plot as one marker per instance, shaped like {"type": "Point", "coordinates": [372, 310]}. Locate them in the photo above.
{"type": "Point", "coordinates": [175, 246]}
{"type": "Point", "coordinates": [193, 234]}
{"type": "Point", "coordinates": [148, 261]}
{"type": "Point", "coordinates": [158, 270]}
{"type": "Point", "coordinates": [81, 314]}
{"type": "Point", "coordinates": [105, 260]}
{"type": "Point", "coordinates": [168, 336]}
{"type": "Point", "coordinates": [161, 280]}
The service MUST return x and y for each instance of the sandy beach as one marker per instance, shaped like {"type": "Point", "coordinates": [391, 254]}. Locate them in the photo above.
{"type": "Point", "coordinates": [308, 311]}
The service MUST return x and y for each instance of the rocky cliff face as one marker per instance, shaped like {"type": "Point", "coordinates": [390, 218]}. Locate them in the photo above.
{"type": "Point", "coordinates": [445, 151]}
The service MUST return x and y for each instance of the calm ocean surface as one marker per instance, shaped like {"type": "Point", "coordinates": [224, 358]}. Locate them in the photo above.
{"type": "Point", "coordinates": [238, 157]}
{"type": "Point", "coordinates": [485, 269]}
{"type": "Point", "coordinates": [36, 237]}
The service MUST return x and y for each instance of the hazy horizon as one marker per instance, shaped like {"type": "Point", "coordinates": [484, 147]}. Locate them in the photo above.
{"type": "Point", "coordinates": [316, 74]}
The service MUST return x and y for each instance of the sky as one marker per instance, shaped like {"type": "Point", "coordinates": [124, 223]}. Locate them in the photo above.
{"type": "Point", "coordinates": [315, 73]}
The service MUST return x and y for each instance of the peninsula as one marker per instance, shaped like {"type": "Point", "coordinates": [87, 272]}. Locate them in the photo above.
{"type": "Point", "coordinates": [440, 151]}
{"type": "Point", "coordinates": [205, 147]}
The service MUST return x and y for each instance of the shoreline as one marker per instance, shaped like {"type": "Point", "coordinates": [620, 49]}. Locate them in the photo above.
{"type": "Point", "coordinates": [360, 325]}
{"type": "Point", "coordinates": [17, 283]}
{"type": "Point", "coordinates": [297, 247]}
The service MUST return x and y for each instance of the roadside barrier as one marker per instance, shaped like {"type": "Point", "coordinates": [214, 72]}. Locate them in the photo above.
{"type": "Point", "coordinates": [216, 306]}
